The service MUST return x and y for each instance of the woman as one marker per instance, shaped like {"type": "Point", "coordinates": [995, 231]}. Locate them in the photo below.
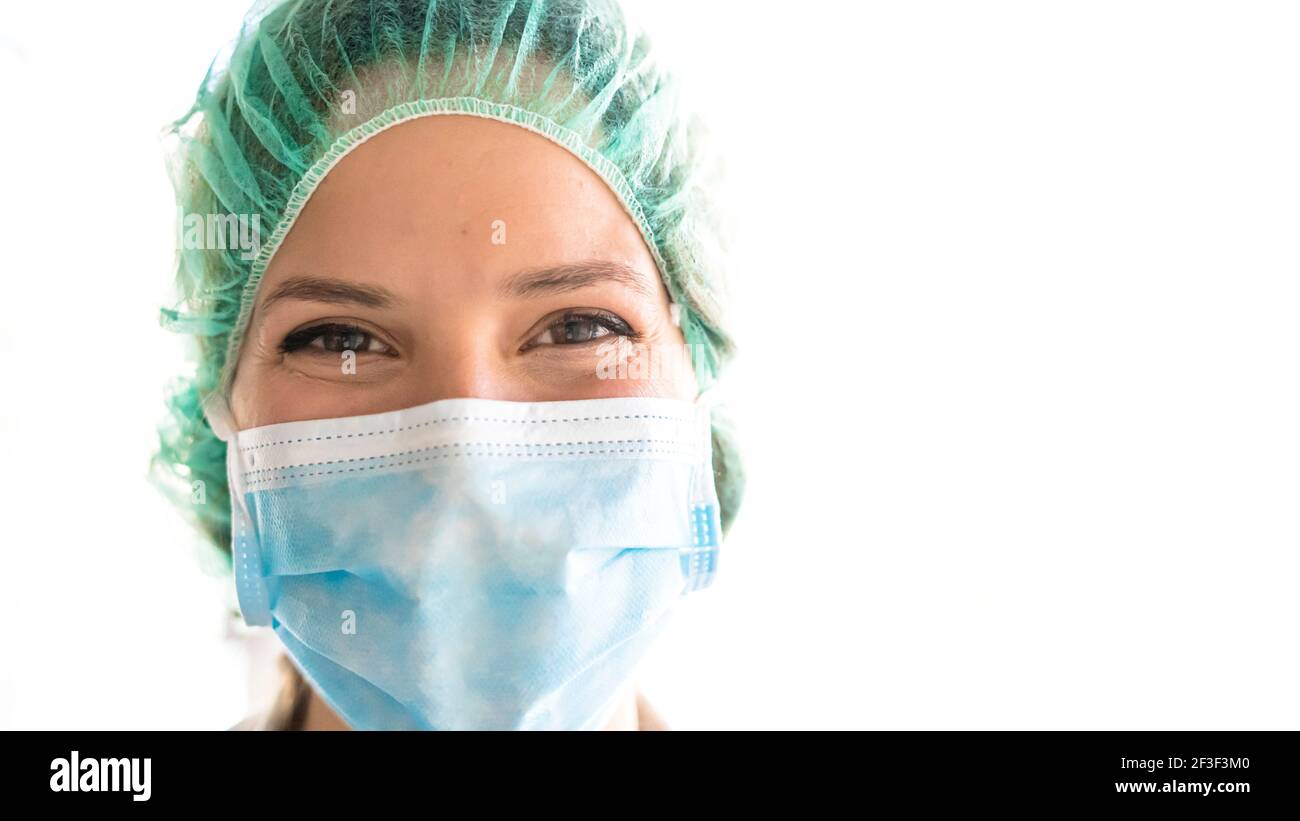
{"type": "Point", "coordinates": [452, 403]}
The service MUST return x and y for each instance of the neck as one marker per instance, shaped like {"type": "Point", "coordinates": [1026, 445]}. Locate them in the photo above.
{"type": "Point", "coordinates": [319, 715]}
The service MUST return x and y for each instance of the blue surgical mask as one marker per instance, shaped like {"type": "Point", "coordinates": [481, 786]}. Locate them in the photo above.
{"type": "Point", "coordinates": [472, 563]}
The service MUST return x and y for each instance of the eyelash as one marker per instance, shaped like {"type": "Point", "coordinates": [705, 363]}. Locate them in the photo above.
{"type": "Point", "coordinates": [612, 323]}
{"type": "Point", "coordinates": [298, 340]}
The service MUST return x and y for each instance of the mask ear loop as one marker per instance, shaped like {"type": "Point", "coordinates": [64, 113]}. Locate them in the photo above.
{"type": "Point", "coordinates": [249, 586]}
{"type": "Point", "coordinates": [220, 418]}
{"type": "Point", "coordinates": [700, 563]}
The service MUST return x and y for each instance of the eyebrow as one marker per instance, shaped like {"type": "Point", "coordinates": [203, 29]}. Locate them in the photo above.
{"type": "Point", "coordinates": [337, 291]}
{"type": "Point", "coordinates": [571, 277]}
{"type": "Point", "coordinates": [531, 282]}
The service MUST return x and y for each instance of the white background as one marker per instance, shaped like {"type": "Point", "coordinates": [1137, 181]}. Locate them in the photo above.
{"type": "Point", "coordinates": [1017, 292]}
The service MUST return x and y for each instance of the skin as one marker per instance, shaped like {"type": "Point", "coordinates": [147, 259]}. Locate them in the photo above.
{"type": "Point", "coordinates": [396, 250]}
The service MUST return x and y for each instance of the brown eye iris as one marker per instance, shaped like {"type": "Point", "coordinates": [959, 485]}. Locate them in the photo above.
{"type": "Point", "coordinates": [333, 338]}
{"type": "Point", "coordinates": [349, 339]}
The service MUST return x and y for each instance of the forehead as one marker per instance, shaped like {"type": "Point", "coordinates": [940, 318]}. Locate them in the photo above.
{"type": "Point", "coordinates": [459, 200]}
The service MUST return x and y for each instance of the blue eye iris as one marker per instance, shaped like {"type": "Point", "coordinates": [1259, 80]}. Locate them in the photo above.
{"type": "Point", "coordinates": [582, 330]}
{"type": "Point", "coordinates": [577, 327]}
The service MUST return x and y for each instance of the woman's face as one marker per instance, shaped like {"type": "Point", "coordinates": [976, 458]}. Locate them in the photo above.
{"type": "Point", "coordinates": [456, 256]}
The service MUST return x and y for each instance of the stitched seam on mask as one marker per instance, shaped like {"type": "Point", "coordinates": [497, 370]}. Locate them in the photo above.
{"type": "Point", "coordinates": [252, 474]}
{"type": "Point", "coordinates": [684, 451]}
{"type": "Point", "coordinates": [683, 419]}
{"type": "Point", "coordinates": [253, 483]}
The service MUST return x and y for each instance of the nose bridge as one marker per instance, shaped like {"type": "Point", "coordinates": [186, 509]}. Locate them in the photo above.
{"type": "Point", "coordinates": [468, 378]}
{"type": "Point", "coordinates": [467, 362]}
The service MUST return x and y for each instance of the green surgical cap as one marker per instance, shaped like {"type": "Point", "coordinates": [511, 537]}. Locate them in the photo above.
{"type": "Point", "coordinates": [306, 81]}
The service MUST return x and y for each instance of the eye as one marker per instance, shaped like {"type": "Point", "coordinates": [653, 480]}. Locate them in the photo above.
{"type": "Point", "coordinates": [334, 337]}
{"type": "Point", "coordinates": [578, 326]}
